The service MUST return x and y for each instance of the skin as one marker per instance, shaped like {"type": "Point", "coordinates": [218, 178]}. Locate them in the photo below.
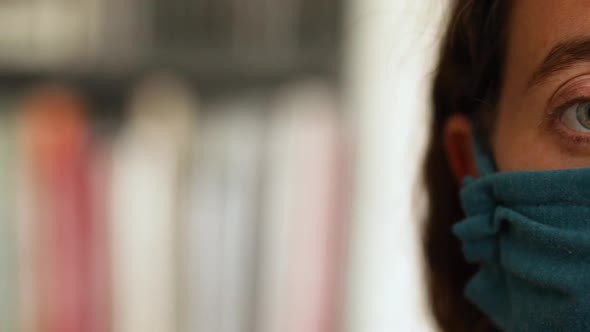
{"type": "Point", "coordinates": [536, 126]}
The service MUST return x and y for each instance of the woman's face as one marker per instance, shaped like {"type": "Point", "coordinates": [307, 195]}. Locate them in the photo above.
{"type": "Point", "coordinates": [544, 108]}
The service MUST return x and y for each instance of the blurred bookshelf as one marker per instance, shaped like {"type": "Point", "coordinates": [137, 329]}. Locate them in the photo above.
{"type": "Point", "coordinates": [104, 45]}
{"type": "Point", "coordinates": [176, 165]}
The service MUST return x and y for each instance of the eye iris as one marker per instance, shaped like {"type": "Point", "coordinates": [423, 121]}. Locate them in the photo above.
{"type": "Point", "coordinates": [583, 114]}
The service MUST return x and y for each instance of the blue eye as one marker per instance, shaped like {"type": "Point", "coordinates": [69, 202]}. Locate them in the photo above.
{"type": "Point", "coordinates": [577, 117]}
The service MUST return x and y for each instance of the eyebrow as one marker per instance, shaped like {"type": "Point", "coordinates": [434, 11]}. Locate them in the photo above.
{"type": "Point", "coordinates": [562, 56]}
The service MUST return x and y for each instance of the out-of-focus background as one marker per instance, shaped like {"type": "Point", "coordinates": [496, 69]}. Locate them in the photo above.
{"type": "Point", "coordinates": [214, 165]}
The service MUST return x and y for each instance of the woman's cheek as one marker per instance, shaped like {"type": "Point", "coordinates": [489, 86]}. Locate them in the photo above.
{"type": "Point", "coordinates": [509, 140]}
{"type": "Point", "coordinates": [519, 152]}
{"type": "Point", "coordinates": [521, 143]}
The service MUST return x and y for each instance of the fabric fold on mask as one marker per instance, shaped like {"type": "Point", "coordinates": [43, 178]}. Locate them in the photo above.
{"type": "Point", "coordinates": [530, 234]}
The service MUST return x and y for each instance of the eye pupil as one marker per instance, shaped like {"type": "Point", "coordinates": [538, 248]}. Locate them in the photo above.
{"type": "Point", "coordinates": [583, 114]}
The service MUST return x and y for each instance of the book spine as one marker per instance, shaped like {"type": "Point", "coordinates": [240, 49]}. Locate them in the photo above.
{"type": "Point", "coordinates": [146, 186]}
{"type": "Point", "coordinates": [303, 226]}
{"type": "Point", "coordinates": [9, 284]}
{"type": "Point", "coordinates": [57, 146]}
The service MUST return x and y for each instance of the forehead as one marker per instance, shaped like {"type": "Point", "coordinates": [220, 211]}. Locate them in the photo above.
{"type": "Point", "coordinates": [536, 26]}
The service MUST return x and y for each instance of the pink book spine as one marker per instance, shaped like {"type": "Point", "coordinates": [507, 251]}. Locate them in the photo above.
{"type": "Point", "coordinates": [58, 141]}
{"type": "Point", "coordinates": [319, 215]}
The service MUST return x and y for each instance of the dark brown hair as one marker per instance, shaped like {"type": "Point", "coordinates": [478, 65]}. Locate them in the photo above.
{"type": "Point", "coordinates": [467, 80]}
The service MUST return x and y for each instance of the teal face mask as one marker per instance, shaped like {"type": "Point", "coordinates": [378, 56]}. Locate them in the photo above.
{"type": "Point", "coordinates": [530, 234]}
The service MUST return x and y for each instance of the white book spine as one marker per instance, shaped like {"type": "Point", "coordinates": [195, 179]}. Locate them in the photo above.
{"type": "Point", "coordinates": [277, 220]}
{"type": "Point", "coordinates": [244, 133]}
{"type": "Point", "coordinates": [145, 220]}
{"type": "Point", "coordinates": [204, 227]}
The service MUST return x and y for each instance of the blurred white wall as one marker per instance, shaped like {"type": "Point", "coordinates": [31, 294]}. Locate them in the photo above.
{"type": "Point", "coordinates": [391, 49]}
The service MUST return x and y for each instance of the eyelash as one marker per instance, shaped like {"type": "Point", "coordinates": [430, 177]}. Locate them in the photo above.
{"type": "Point", "coordinates": [554, 121]}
